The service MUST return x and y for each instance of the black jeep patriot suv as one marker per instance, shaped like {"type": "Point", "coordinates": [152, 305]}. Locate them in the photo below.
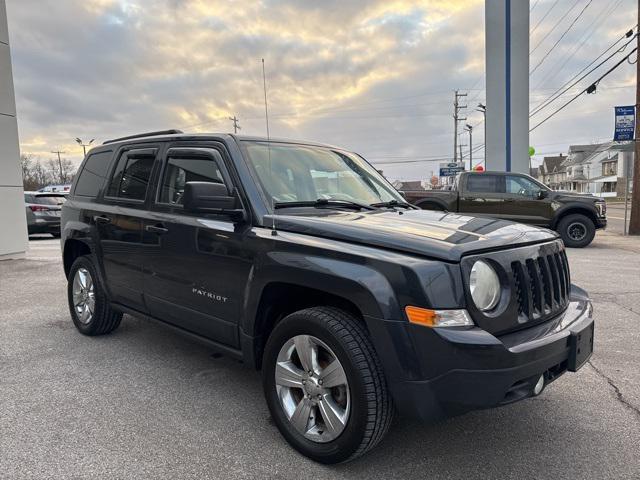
{"type": "Point", "coordinates": [304, 262]}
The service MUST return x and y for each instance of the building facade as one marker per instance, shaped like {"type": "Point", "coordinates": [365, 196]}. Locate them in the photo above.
{"type": "Point", "coordinates": [599, 169]}
{"type": "Point", "coordinates": [552, 172]}
{"type": "Point", "coordinates": [13, 239]}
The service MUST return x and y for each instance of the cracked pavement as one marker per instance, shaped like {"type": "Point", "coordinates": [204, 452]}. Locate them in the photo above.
{"type": "Point", "coordinates": [147, 403]}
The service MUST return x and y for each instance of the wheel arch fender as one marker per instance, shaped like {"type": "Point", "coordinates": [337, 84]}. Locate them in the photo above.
{"type": "Point", "coordinates": [354, 285]}
{"type": "Point", "coordinates": [574, 208]}
{"type": "Point", "coordinates": [359, 284]}
{"type": "Point", "coordinates": [78, 239]}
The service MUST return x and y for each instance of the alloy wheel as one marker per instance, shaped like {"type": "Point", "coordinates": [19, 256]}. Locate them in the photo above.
{"type": "Point", "coordinates": [312, 388]}
{"type": "Point", "coordinates": [84, 300]}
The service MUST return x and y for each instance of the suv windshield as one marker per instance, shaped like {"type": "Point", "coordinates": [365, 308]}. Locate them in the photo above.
{"type": "Point", "coordinates": [302, 173]}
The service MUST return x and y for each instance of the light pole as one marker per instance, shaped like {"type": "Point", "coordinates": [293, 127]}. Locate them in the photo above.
{"type": "Point", "coordinates": [470, 130]}
{"type": "Point", "coordinates": [483, 109]}
{"type": "Point", "coordinates": [84, 145]}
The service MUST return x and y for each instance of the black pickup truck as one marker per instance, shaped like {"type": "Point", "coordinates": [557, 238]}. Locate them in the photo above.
{"type": "Point", "coordinates": [302, 261]}
{"type": "Point", "coordinates": [519, 198]}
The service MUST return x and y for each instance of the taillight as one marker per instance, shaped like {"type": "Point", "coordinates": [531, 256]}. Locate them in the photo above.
{"type": "Point", "coordinates": [38, 208]}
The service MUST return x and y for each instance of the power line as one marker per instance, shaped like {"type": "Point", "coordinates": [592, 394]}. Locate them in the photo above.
{"type": "Point", "coordinates": [554, 27]}
{"type": "Point", "coordinates": [544, 16]}
{"type": "Point", "coordinates": [590, 89]}
{"type": "Point", "coordinates": [535, 4]}
{"type": "Point", "coordinates": [554, 96]}
{"type": "Point", "coordinates": [561, 37]}
{"type": "Point", "coordinates": [591, 29]}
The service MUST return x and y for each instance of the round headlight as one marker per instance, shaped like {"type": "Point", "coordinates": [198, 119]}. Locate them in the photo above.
{"type": "Point", "coordinates": [484, 285]}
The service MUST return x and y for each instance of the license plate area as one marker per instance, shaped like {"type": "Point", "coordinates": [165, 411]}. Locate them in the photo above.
{"type": "Point", "coordinates": [580, 348]}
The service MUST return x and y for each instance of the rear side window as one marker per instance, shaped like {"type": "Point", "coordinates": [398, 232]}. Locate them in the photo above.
{"type": "Point", "coordinates": [93, 174]}
{"type": "Point", "coordinates": [181, 170]}
{"type": "Point", "coordinates": [484, 183]}
{"type": "Point", "coordinates": [131, 176]}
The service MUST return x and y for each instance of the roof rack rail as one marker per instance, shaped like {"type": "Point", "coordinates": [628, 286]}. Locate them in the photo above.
{"type": "Point", "coordinates": [148, 134]}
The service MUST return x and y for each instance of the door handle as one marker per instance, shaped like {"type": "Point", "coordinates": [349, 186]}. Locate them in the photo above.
{"type": "Point", "coordinates": [101, 219]}
{"type": "Point", "coordinates": [158, 228]}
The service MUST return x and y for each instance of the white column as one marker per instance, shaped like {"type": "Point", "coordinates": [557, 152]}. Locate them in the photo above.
{"type": "Point", "coordinates": [13, 223]}
{"type": "Point", "coordinates": [507, 85]}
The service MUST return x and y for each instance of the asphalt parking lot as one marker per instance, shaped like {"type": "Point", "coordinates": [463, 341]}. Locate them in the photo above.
{"type": "Point", "coordinates": [146, 403]}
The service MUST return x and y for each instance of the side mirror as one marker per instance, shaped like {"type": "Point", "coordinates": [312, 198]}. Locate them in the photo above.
{"type": "Point", "coordinates": [542, 194]}
{"type": "Point", "coordinates": [209, 197]}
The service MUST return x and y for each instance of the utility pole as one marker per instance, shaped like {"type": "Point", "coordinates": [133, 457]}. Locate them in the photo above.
{"type": "Point", "coordinates": [634, 223]}
{"type": "Point", "coordinates": [59, 164]}
{"type": "Point", "coordinates": [470, 130]}
{"type": "Point", "coordinates": [236, 126]}
{"type": "Point", "coordinates": [456, 118]}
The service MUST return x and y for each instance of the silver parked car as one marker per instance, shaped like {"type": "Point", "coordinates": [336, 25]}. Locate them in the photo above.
{"type": "Point", "coordinates": [43, 212]}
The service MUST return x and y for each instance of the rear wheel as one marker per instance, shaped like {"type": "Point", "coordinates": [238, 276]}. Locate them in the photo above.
{"type": "Point", "coordinates": [324, 385]}
{"type": "Point", "coordinates": [576, 230]}
{"type": "Point", "coordinates": [88, 304]}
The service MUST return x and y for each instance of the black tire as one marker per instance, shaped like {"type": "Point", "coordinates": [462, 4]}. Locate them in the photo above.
{"type": "Point", "coordinates": [104, 319]}
{"type": "Point", "coordinates": [371, 410]}
{"type": "Point", "coordinates": [576, 230]}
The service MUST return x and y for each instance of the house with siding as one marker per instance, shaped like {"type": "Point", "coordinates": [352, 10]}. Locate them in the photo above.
{"type": "Point", "coordinates": [552, 172]}
{"type": "Point", "coordinates": [598, 169]}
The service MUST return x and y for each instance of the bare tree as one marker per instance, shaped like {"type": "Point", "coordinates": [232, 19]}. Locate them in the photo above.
{"type": "Point", "coordinates": [60, 172]}
{"type": "Point", "coordinates": [36, 175]}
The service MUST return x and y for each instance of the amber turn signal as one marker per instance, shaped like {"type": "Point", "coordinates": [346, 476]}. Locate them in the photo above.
{"type": "Point", "coordinates": [438, 318]}
{"type": "Point", "coordinates": [421, 316]}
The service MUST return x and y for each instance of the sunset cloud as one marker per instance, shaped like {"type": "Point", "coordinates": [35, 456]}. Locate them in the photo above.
{"type": "Point", "coordinates": [374, 76]}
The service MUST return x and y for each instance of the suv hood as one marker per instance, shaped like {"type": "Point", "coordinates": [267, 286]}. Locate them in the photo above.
{"type": "Point", "coordinates": [440, 235]}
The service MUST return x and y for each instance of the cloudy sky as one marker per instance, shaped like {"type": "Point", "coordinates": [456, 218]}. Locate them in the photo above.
{"type": "Point", "coordinates": [373, 76]}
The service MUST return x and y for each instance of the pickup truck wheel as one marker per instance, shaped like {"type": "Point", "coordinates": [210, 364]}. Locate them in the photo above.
{"type": "Point", "coordinates": [576, 230]}
{"type": "Point", "coordinates": [324, 385]}
{"type": "Point", "coordinates": [88, 304]}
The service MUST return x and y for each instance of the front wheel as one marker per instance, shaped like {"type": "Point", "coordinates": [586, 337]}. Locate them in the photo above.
{"type": "Point", "coordinates": [576, 230]}
{"type": "Point", "coordinates": [324, 385]}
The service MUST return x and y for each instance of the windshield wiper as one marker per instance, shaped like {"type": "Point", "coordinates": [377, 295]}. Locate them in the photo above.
{"type": "Point", "coordinates": [325, 202]}
{"type": "Point", "coordinates": [393, 203]}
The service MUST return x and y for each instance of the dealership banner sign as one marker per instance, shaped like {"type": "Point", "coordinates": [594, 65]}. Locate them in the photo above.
{"type": "Point", "coordinates": [451, 169]}
{"type": "Point", "coordinates": [625, 124]}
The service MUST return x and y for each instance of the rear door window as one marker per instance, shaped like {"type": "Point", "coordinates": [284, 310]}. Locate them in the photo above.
{"type": "Point", "coordinates": [484, 183]}
{"type": "Point", "coordinates": [130, 178]}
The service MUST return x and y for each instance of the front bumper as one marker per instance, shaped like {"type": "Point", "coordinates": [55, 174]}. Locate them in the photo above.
{"type": "Point", "coordinates": [601, 223]}
{"type": "Point", "coordinates": [468, 369]}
